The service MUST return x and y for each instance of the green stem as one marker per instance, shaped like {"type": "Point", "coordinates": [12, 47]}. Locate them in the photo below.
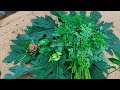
{"type": "Point", "coordinates": [22, 57]}
{"type": "Point", "coordinates": [80, 72]}
{"type": "Point", "coordinates": [87, 73]}
{"type": "Point", "coordinates": [71, 75]}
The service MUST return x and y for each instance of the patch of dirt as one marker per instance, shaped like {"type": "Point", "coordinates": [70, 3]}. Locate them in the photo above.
{"type": "Point", "coordinates": [17, 22]}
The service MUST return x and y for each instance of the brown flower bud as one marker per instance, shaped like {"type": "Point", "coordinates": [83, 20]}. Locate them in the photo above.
{"type": "Point", "coordinates": [33, 47]}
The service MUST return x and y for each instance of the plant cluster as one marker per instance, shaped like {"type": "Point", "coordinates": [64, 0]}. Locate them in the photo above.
{"type": "Point", "coordinates": [72, 49]}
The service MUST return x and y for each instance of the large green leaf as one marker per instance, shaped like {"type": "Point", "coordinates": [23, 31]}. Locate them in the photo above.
{"type": "Point", "coordinates": [41, 72]}
{"type": "Point", "coordinates": [33, 29]}
{"type": "Point", "coordinates": [103, 26]}
{"type": "Point", "coordinates": [103, 66]}
{"type": "Point", "coordinates": [51, 70]}
{"type": "Point", "coordinates": [41, 60]}
{"type": "Point", "coordinates": [59, 72]}
{"type": "Point", "coordinates": [58, 13]}
{"type": "Point", "coordinates": [96, 73]}
{"type": "Point", "coordinates": [18, 72]}
{"type": "Point", "coordinates": [46, 23]}
{"type": "Point", "coordinates": [112, 40]}
{"type": "Point", "coordinates": [44, 70]}
{"type": "Point", "coordinates": [23, 37]}
{"type": "Point", "coordinates": [13, 57]}
{"type": "Point", "coordinates": [18, 42]}
{"type": "Point", "coordinates": [72, 13]}
{"type": "Point", "coordinates": [83, 13]}
{"type": "Point", "coordinates": [115, 46]}
{"type": "Point", "coordinates": [109, 50]}
{"type": "Point", "coordinates": [115, 61]}
{"type": "Point", "coordinates": [39, 35]}
{"type": "Point", "coordinates": [25, 59]}
{"type": "Point", "coordinates": [17, 49]}
{"type": "Point", "coordinates": [111, 36]}
{"type": "Point", "coordinates": [95, 16]}
{"type": "Point", "coordinates": [117, 54]}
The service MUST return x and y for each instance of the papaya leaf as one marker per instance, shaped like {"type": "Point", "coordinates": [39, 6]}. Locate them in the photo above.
{"type": "Point", "coordinates": [45, 70]}
{"type": "Point", "coordinates": [106, 25]}
{"type": "Point", "coordinates": [103, 66]}
{"type": "Point", "coordinates": [96, 73]}
{"type": "Point", "coordinates": [115, 61]}
{"type": "Point", "coordinates": [25, 59]}
{"type": "Point", "coordinates": [23, 37]}
{"type": "Point", "coordinates": [103, 26]}
{"type": "Point", "coordinates": [117, 54]}
{"type": "Point", "coordinates": [45, 23]}
{"type": "Point", "coordinates": [58, 13]}
{"type": "Point", "coordinates": [72, 13]}
{"type": "Point", "coordinates": [33, 29]}
{"type": "Point", "coordinates": [83, 13]}
{"type": "Point", "coordinates": [109, 50]}
{"type": "Point", "coordinates": [13, 57]}
{"type": "Point", "coordinates": [18, 72]}
{"type": "Point", "coordinates": [95, 16]}
{"type": "Point", "coordinates": [17, 49]}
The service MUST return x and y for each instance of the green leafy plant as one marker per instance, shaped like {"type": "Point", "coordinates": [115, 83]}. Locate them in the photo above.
{"type": "Point", "coordinates": [72, 49]}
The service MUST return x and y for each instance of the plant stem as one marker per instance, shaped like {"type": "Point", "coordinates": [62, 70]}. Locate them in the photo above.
{"type": "Point", "coordinates": [113, 71]}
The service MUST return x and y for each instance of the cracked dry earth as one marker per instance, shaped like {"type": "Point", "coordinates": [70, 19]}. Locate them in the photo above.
{"type": "Point", "coordinates": [16, 23]}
